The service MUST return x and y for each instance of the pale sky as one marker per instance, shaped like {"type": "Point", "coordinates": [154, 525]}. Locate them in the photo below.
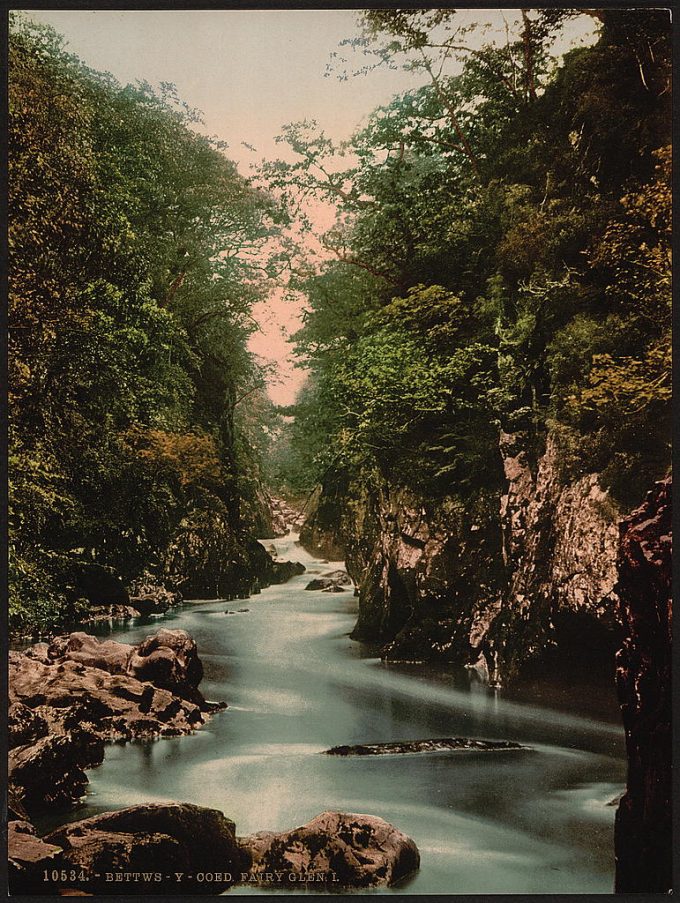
{"type": "Point", "coordinates": [250, 72]}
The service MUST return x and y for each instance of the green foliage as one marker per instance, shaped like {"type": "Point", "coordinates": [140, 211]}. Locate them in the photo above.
{"type": "Point", "coordinates": [501, 258]}
{"type": "Point", "coordinates": [134, 265]}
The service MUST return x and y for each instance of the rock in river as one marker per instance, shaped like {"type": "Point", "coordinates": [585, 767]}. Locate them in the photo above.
{"type": "Point", "coordinates": [418, 746]}
{"type": "Point", "coordinates": [355, 850]}
{"type": "Point", "coordinates": [151, 598]}
{"type": "Point", "coordinates": [161, 840]}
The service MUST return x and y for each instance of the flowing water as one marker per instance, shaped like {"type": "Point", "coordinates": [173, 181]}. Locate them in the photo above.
{"type": "Point", "coordinates": [527, 821]}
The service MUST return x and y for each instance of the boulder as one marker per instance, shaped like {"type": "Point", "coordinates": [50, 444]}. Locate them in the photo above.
{"type": "Point", "coordinates": [350, 850]}
{"type": "Point", "coordinates": [282, 571]}
{"type": "Point", "coordinates": [108, 655]}
{"type": "Point", "coordinates": [169, 659]}
{"type": "Point", "coordinates": [50, 772]}
{"type": "Point", "coordinates": [68, 698]}
{"type": "Point", "coordinates": [28, 857]}
{"type": "Point", "coordinates": [160, 839]}
{"type": "Point", "coordinates": [330, 580]}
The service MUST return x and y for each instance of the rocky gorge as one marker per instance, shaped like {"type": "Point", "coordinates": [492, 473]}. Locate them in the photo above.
{"type": "Point", "coordinates": [553, 575]}
{"type": "Point", "coordinates": [497, 582]}
{"type": "Point", "coordinates": [73, 695]}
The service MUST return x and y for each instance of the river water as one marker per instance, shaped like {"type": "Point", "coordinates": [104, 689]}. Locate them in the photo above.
{"type": "Point", "coordinates": [527, 821]}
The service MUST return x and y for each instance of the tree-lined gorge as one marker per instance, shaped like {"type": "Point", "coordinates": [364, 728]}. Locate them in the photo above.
{"type": "Point", "coordinates": [499, 266]}
{"type": "Point", "coordinates": [483, 431]}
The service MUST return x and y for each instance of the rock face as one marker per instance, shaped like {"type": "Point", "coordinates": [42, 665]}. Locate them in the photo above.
{"type": "Point", "coordinates": [159, 840]}
{"type": "Point", "coordinates": [70, 696]}
{"type": "Point", "coordinates": [350, 850]}
{"type": "Point", "coordinates": [283, 517]}
{"type": "Point", "coordinates": [209, 558]}
{"type": "Point", "coordinates": [643, 833]}
{"type": "Point", "coordinates": [426, 573]}
{"type": "Point", "coordinates": [319, 532]}
{"type": "Point", "coordinates": [497, 582]}
{"type": "Point", "coordinates": [559, 546]}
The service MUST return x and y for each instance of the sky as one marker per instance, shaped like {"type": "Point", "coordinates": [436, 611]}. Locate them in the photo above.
{"type": "Point", "coordinates": [249, 72]}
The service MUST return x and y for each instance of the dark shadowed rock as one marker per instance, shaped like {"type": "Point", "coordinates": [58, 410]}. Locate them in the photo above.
{"type": "Point", "coordinates": [150, 598]}
{"type": "Point", "coordinates": [100, 585]}
{"type": "Point", "coordinates": [358, 850]}
{"type": "Point", "coordinates": [169, 659]}
{"type": "Point", "coordinates": [643, 833]}
{"type": "Point", "coordinates": [330, 580]}
{"type": "Point", "coordinates": [421, 746]}
{"type": "Point", "coordinates": [50, 772]}
{"type": "Point", "coordinates": [282, 571]}
{"type": "Point", "coordinates": [28, 857]}
{"type": "Point", "coordinates": [320, 533]}
{"type": "Point", "coordinates": [24, 725]}
{"type": "Point", "coordinates": [333, 589]}
{"type": "Point", "coordinates": [155, 838]}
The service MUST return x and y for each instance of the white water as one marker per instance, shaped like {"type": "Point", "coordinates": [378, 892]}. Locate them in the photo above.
{"type": "Point", "coordinates": [533, 821]}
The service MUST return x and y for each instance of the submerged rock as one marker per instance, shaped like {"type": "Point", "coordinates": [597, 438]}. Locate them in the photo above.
{"type": "Point", "coordinates": [157, 839]}
{"type": "Point", "coordinates": [643, 832]}
{"type": "Point", "coordinates": [349, 850]}
{"type": "Point", "coordinates": [403, 747]}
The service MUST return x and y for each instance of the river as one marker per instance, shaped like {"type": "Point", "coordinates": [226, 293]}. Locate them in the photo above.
{"type": "Point", "coordinates": [514, 822]}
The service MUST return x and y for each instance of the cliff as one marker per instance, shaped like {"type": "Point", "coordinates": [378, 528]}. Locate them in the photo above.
{"type": "Point", "coordinates": [643, 831]}
{"type": "Point", "coordinates": [320, 531]}
{"type": "Point", "coordinates": [499, 581]}
{"type": "Point", "coordinates": [559, 545]}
